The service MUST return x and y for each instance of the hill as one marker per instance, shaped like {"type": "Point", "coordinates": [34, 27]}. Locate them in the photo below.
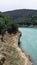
{"type": "Point", "coordinates": [24, 17]}
{"type": "Point", "coordinates": [25, 13]}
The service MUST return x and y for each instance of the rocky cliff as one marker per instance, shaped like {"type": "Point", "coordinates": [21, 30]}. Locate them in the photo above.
{"type": "Point", "coordinates": [10, 53]}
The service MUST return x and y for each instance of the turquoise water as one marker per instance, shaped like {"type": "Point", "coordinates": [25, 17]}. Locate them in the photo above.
{"type": "Point", "coordinates": [29, 42]}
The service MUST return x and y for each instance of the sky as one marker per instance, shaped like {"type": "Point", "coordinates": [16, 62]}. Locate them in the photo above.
{"type": "Point", "coordinates": [7, 5]}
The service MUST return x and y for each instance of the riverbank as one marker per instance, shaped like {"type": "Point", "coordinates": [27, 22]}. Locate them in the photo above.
{"type": "Point", "coordinates": [28, 26]}
{"type": "Point", "coordinates": [10, 53]}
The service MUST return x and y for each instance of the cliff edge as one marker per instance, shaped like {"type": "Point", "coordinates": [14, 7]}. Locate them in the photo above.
{"type": "Point", "coordinates": [10, 53]}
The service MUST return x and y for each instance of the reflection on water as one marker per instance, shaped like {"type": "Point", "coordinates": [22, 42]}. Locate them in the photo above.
{"type": "Point", "coordinates": [29, 42]}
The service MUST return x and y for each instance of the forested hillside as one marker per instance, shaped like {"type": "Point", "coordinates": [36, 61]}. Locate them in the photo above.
{"type": "Point", "coordinates": [25, 13]}
{"type": "Point", "coordinates": [23, 16]}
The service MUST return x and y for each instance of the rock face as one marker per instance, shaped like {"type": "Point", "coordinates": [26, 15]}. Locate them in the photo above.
{"type": "Point", "coordinates": [10, 53]}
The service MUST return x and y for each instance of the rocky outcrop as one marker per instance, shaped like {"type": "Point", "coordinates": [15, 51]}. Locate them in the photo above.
{"type": "Point", "coordinates": [10, 53]}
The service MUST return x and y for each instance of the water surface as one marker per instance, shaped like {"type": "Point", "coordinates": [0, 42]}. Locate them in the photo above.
{"type": "Point", "coordinates": [29, 42]}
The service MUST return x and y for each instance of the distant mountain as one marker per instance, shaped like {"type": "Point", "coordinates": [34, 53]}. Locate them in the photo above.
{"type": "Point", "coordinates": [25, 13]}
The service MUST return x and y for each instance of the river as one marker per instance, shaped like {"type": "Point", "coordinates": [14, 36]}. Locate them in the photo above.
{"type": "Point", "coordinates": [29, 42]}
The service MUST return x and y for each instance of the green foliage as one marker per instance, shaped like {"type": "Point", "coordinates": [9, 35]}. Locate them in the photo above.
{"type": "Point", "coordinates": [14, 27]}
{"type": "Point", "coordinates": [5, 23]}
{"type": "Point", "coordinates": [2, 25]}
{"type": "Point", "coordinates": [27, 21]}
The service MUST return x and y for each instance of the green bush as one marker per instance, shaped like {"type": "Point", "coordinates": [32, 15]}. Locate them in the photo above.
{"type": "Point", "coordinates": [6, 22]}
{"type": "Point", "coordinates": [13, 28]}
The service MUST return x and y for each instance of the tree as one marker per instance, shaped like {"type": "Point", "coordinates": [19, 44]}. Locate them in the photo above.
{"type": "Point", "coordinates": [7, 24]}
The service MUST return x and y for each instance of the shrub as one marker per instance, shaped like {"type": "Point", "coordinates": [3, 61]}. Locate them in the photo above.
{"type": "Point", "coordinates": [13, 28]}
{"type": "Point", "coordinates": [6, 22]}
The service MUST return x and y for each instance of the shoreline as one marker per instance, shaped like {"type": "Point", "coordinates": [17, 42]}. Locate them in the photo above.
{"type": "Point", "coordinates": [30, 26]}
{"type": "Point", "coordinates": [27, 55]}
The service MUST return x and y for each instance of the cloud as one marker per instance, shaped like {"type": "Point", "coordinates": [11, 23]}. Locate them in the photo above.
{"type": "Point", "coordinates": [17, 4]}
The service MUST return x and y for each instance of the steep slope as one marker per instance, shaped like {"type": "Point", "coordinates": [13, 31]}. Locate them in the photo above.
{"type": "Point", "coordinates": [10, 53]}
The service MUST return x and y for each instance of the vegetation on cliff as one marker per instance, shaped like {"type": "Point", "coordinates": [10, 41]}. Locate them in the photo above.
{"type": "Point", "coordinates": [7, 24]}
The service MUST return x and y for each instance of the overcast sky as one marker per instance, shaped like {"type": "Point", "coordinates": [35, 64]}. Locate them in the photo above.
{"type": "Point", "coordinates": [6, 5]}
